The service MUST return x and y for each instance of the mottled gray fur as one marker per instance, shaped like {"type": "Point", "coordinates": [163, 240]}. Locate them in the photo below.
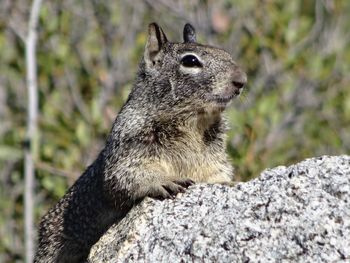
{"type": "Point", "coordinates": [168, 135]}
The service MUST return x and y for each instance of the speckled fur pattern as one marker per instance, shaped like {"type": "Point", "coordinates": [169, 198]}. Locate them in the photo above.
{"type": "Point", "coordinates": [169, 134]}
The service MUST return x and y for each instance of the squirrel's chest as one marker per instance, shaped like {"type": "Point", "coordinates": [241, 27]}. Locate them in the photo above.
{"type": "Point", "coordinates": [198, 158]}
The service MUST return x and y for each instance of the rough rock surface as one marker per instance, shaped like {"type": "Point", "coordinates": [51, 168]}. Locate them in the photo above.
{"type": "Point", "coordinates": [299, 213]}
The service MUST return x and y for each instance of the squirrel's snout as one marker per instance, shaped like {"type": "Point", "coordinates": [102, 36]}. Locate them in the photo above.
{"type": "Point", "coordinates": [238, 85]}
{"type": "Point", "coordinates": [239, 78]}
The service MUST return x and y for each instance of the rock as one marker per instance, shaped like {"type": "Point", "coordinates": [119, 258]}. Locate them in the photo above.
{"type": "Point", "coordinates": [295, 213]}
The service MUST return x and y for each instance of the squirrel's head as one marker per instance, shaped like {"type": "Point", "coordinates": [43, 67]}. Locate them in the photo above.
{"type": "Point", "coordinates": [187, 76]}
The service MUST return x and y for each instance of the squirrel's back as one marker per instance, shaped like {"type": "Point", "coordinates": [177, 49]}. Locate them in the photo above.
{"type": "Point", "coordinates": [169, 134]}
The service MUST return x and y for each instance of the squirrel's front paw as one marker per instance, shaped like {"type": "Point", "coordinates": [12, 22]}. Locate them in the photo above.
{"type": "Point", "coordinates": [169, 189]}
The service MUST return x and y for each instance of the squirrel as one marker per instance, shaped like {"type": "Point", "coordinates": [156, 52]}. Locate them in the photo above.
{"type": "Point", "coordinates": [169, 134]}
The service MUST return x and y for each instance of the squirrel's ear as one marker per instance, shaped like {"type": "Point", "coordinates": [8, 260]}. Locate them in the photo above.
{"type": "Point", "coordinates": [156, 39]}
{"type": "Point", "coordinates": [189, 34]}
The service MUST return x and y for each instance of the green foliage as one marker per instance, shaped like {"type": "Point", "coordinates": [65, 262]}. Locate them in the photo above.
{"type": "Point", "coordinates": [296, 104]}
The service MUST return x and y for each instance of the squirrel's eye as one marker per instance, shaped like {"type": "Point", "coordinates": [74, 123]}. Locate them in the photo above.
{"type": "Point", "coordinates": [190, 61]}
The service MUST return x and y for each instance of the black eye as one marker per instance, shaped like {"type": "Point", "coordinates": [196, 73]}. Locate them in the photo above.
{"type": "Point", "coordinates": [190, 61]}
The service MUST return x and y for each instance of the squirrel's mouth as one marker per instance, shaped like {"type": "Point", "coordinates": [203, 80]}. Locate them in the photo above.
{"type": "Point", "coordinates": [225, 95]}
{"type": "Point", "coordinates": [223, 99]}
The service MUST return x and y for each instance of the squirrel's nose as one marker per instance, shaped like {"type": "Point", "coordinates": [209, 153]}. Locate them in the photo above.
{"type": "Point", "coordinates": [239, 78]}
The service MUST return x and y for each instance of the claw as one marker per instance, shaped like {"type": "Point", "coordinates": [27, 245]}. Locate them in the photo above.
{"type": "Point", "coordinates": [185, 183]}
{"type": "Point", "coordinates": [170, 189]}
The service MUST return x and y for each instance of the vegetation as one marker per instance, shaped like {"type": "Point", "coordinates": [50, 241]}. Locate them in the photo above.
{"type": "Point", "coordinates": [296, 104]}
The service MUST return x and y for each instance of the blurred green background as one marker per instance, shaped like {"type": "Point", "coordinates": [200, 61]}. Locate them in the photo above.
{"type": "Point", "coordinates": [296, 104]}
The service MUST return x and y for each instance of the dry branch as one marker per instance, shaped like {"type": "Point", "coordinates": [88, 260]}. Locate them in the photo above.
{"type": "Point", "coordinates": [32, 117]}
